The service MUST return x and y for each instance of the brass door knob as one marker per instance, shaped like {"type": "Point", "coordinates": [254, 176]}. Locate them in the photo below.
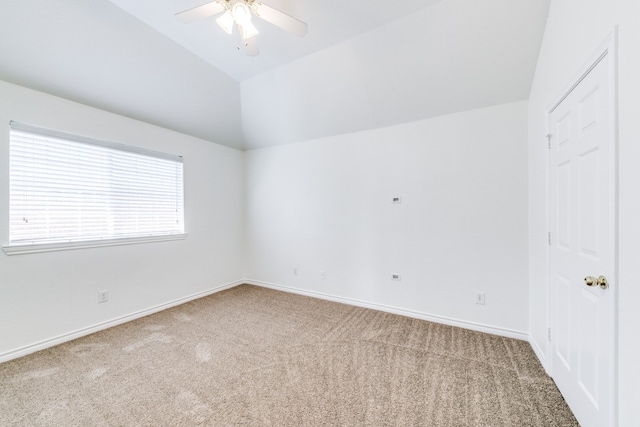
{"type": "Point", "coordinates": [603, 282]}
{"type": "Point", "coordinates": [590, 281]}
{"type": "Point", "coordinates": [597, 281]}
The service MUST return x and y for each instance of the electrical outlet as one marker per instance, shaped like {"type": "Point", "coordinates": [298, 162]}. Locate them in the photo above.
{"type": "Point", "coordinates": [480, 298]}
{"type": "Point", "coordinates": [323, 275]}
{"type": "Point", "coordinates": [396, 277]}
{"type": "Point", "coordinates": [103, 296]}
{"type": "Point", "coordinates": [295, 271]}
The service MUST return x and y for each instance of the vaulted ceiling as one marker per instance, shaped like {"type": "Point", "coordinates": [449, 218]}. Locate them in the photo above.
{"type": "Point", "coordinates": [363, 64]}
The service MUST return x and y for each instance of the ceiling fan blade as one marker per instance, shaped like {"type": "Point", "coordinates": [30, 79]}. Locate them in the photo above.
{"type": "Point", "coordinates": [251, 46]}
{"type": "Point", "coordinates": [199, 12]}
{"type": "Point", "coordinates": [279, 19]}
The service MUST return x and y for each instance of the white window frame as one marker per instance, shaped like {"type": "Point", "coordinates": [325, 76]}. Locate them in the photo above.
{"type": "Point", "coordinates": [14, 248]}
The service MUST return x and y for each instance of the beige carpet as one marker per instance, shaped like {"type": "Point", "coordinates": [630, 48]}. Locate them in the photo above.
{"type": "Point", "coordinates": [257, 357]}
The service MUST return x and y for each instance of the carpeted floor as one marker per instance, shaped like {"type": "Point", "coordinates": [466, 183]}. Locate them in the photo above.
{"type": "Point", "coordinates": [255, 357]}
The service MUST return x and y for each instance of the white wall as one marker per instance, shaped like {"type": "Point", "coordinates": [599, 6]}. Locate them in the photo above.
{"type": "Point", "coordinates": [574, 30]}
{"type": "Point", "coordinates": [462, 225]}
{"type": "Point", "coordinates": [46, 295]}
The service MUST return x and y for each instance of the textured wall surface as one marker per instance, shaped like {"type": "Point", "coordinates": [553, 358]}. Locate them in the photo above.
{"type": "Point", "coordinates": [325, 205]}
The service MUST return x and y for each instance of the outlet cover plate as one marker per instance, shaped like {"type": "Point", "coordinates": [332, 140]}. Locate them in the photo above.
{"type": "Point", "coordinates": [103, 296]}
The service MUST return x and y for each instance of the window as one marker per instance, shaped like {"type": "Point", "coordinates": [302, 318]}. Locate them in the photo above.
{"type": "Point", "coordinates": [69, 191]}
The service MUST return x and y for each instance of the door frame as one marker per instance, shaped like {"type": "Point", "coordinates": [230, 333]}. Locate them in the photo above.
{"type": "Point", "coordinates": [608, 52]}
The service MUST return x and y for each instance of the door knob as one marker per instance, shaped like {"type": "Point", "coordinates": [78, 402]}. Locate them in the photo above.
{"type": "Point", "coordinates": [597, 281]}
{"type": "Point", "coordinates": [603, 282]}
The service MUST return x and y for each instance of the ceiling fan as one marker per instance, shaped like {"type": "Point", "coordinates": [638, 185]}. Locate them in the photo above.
{"type": "Point", "coordinates": [238, 13]}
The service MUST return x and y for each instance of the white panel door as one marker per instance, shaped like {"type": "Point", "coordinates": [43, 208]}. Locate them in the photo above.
{"type": "Point", "coordinates": [582, 215]}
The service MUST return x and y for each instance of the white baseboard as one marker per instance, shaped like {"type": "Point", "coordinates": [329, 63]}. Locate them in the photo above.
{"type": "Point", "coordinates": [504, 332]}
{"type": "Point", "coordinates": [539, 353]}
{"type": "Point", "coordinates": [41, 345]}
{"type": "Point", "coordinates": [32, 348]}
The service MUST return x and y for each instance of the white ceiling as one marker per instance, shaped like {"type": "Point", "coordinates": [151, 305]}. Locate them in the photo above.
{"type": "Point", "coordinates": [134, 58]}
{"type": "Point", "coordinates": [93, 52]}
{"type": "Point", "coordinates": [329, 21]}
{"type": "Point", "coordinates": [456, 55]}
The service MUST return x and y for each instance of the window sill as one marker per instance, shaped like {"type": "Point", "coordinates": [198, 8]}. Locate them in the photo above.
{"type": "Point", "coordinates": [50, 247]}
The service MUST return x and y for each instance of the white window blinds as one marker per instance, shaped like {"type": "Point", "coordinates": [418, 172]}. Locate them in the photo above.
{"type": "Point", "coordinates": [66, 188]}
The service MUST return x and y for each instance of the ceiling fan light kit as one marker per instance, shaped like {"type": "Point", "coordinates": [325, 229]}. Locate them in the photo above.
{"type": "Point", "coordinates": [239, 13]}
{"type": "Point", "coordinates": [226, 21]}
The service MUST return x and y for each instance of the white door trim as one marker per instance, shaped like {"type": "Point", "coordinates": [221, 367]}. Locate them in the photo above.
{"type": "Point", "coordinates": [608, 52]}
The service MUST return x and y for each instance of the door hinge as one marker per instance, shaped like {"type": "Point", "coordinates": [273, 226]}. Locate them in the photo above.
{"type": "Point", "coordinates": [549, 136]}
{"type": "Point", "coordinates": [549, 334]}
{"type": "Point", "coordinates": [549, 238]}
